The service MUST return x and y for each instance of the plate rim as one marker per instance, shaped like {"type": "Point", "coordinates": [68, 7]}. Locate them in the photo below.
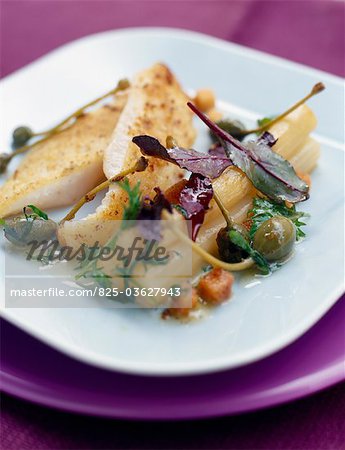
{"type": "Point", "coordinates": [8, 385]}
{"type": "Point", "coordinates": [212, 365]}
{"type": "Point", "coordinates": [302, 386]}
{"type": "Point", "coordinates": [181, 32]}
{"type": "Point", "coordinates": [181, 369]}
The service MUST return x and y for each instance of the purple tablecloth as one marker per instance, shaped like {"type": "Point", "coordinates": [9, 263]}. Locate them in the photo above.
{"type": "Point", "coordinates": [310, 32]}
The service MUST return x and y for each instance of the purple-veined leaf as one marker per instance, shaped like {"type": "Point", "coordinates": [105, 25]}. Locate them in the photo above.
{"type": "Point", "coordinates": [269, 172]}
{"type": "Point", "coordinates": [266, 138]}
{"type": "Point", "coordinates": [211, 166]}
{"type": "Point", "coordinates": [218, 150]}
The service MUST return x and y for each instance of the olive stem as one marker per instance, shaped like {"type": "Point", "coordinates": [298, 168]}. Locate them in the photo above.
{"type": "Point", "coordinates": [317, 88]}
{"type": "Point", "coordinates": [223, 210]}
{"type": "Point", "coordinates": [139, 166]}
{"type": "Point", "coordinates": [236, 267]}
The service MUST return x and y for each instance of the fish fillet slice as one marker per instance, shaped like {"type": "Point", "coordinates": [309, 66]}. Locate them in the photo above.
{"type": "Point", "coordinates": [156, 106]}
{"type": "Point", "coordinates": [59, 171]}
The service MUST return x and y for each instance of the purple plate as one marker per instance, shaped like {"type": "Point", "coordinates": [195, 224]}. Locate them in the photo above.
{"type": "Point", "coordinates": [33, 371]}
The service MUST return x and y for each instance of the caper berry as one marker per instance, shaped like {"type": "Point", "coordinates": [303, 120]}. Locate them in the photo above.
{"type": "Point", "coordinates": [228, 251]}
{"type": "Point", "coordinates": [123, 84]}
{"type": "Point", "coordinates": [22, 230]}
{"type": "Point", "coordinates": [21, 135]}
{"type": "Point", "coordinates": [275, 238]}
{"type": "Point", "coordinates": [233, 127]}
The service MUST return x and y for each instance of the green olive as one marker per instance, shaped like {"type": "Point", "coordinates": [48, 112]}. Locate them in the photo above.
{"type": "Point", "coordinates": [21, 135]}
{"type": "Point", "coordinates": [227, 250]}
{"type": "Point", "coordinates": [275, 238]}
{"type": "Point", "coordinates": [20, 230]}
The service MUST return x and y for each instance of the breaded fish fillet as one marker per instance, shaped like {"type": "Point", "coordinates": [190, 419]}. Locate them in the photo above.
{"type": "Point", "coordinates": [156, 106]}
{"type": "Point", "coordinates": [62, 169]}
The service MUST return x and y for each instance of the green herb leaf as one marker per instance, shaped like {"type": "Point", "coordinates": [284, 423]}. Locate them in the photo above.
{"type": "Point", "coordinates": [99, 277]}
{"type": "Point", "coordinates": [264, 209]}
{"type": "Point", "coordinates": [238, 240]}
{"type": "Point", "coordinates": [206, 268]}
{"type": "Point", "coordinates": [180, 210]}
{"type": "Point", "coordinates": [37, 212]}
{"type": "Point", "coordinates": [264, 121]}
{"type": "Point", "coordinates": [2, 222]}
{"type": "Point", "coordinates": [132, 209]}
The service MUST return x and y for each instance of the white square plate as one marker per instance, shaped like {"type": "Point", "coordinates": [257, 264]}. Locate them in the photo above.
{"type": "Point", "coordinates": [264, 315]}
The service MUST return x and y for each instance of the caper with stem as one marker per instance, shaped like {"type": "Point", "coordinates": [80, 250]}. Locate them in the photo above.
{"type": "Point", "coordinates": [139, 166]}
{"type": "Point", "coordinates": [227, 250]}
{"type": "Point", "coordinates": [238, 131]}
{"type": "Point", "coordinates": [22, 134]}
{"type": "Point", "coordinates": [22, 230]}
{"type": "Point", "coordinates": [275, 238]}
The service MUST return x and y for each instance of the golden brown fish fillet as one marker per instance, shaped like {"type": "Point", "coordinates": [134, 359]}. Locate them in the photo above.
{"type": "Point", "coordinates": [156, 106]}
{"type": "Point", "coordinates": [59, 171]}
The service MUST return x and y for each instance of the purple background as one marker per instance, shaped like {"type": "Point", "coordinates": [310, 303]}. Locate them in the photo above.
{"type": "Point", "coordinates": [310, 32]}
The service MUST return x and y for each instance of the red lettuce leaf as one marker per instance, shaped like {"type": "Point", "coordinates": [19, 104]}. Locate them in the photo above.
{"type": "Point", "coordinates": [270, 173]}
{"type": "Point", "coordinates": [194, 199]}
{"type": "Point", "coordinates": [210, 166]}
{"type": "Point", "coordinates": [152, 210]}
